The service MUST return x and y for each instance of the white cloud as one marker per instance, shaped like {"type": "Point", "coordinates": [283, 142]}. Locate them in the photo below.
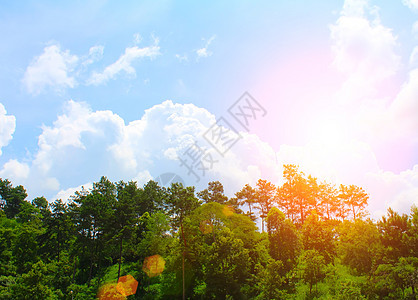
{"type": "Point", "coordinates": [354, 8]}
{"type": "Point", "coordinates": [366, 53]}
{"type": "Point", "coordinates": [204, 51]}
{"type": "Point", "coordinates": [15, 171]}
{"type": "Point", "coordinates": [412, 4]}
{"type": "Point", "coordinates": [182, 58]}
{"type": "Point", "coordinates": [415, 28]}
{"type": "Point", "coordinates": [124, 63]}
{"type": "Point", "coordinates": [403, 111]}
{"type": "Point", "coordinates": [82, 145]}
{"type": "Point", "coordinates": [66, 194]}
{"type": "Point", "coordinates": [7, 127]}
{"type": "Point", "coordinates": [413, 59]}
{"type": "Point", "coordinates": [398, 191]}
{"type": "Point", "coordinates": [95, 54]}
{"type": "Point", "coordinates": [70, 133]}
{"type": "Point", "coordinates": [364, 50]}
{"type": "Point", "coordinates": [52, 69]}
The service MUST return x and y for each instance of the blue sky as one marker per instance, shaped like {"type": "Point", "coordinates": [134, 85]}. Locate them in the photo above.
{"type": "Point", "coordinates": [83, 90]}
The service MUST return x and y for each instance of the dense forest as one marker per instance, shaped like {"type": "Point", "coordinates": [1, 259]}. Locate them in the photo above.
{"type": "Point", "coordinates": [305, 239]}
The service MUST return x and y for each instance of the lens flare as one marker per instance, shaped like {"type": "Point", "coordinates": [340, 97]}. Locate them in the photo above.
{"type": "Point", "coordinates": [206, 226]}
{"type": "Point", "coordinates": [228, 210]}
{"type": "Point", "coordinates": [109, 291]}
{"type": "Point", "coordinates": [153, 265]}
{"type": "Point", "coordinates": [127, 285]}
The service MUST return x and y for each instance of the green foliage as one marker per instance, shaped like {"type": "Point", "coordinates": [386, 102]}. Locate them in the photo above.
{"type": "Point", "coordinates": [36, 283]}
{"type": "Point", "coordinates": [68, 250]}
{"type": "Point", "coordinates": [312, 266]}
{"type": "Point", "coordinates": [319, 235]}
{"type": "Point", "coordinates": [394, 230]}
{"type": "Point", "coordinates": [359, 245]}
{"type": "Point", "coordinates": [284, 239]}
{"type": "Point", "coordinates": [214, 193]}
{"type": "Point", "coordinates": [11, 197]}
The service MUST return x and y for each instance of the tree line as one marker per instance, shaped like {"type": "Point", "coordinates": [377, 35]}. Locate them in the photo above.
{"type": "Point", "coordinates": [315, 241]}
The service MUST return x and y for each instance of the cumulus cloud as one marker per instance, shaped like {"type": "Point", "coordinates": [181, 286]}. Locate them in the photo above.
{"type": "Point", "coordinates": [398, 191]}
{"type": "Point", "coordinates": [415, 28]}
{"type": "Point", "coordinates": [7, 127]}
{"type": "Point", "coordinates": [182, 58]}
{"type": "Point", "coordinates": [124, 63]}
{"type": "Point", "coordinates": [82, 145]}
{"type": "Point", "coordinates": [204, 51]}
{"type": "Point", "coordinates": [403, 111]}
{"type": "Point", "coordinates": [413, 59]}
{"type": "Point", "coordinates": [363, 49]}
{"type": "Point", "coordinates": [52, 69]}
{"type": "Point", "coordinates": [66, 194]}
{"type": "Point", "coordinates": [412, 4]}
{"type": "Point", "coordinates": [15, 171]}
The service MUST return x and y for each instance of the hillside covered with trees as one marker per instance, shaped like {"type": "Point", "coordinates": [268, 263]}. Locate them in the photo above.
{"type": "Point", "coordinates": [305, 239]}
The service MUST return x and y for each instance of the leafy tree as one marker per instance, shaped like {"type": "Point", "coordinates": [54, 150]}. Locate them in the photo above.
{"type": "Point", "coordinates": [26, 247]}
{"type": "Point", "coordinates": [394, 229]}
{"type": "Point", "coordinates": [294, 194]}
{"type": "Point", "coordinates": [247, 196]}
{"type": "Point", "coordinates": [355, 198]}
{"type": "Point", "coordinates": [271, 283]}
{"type": "Point", "coordinates": [9, 230]}
{"type": "Point", "coordinates": [329, 202]}
{"type": "Point", "coordinates": [359, 245]}
{"type": "Point", "coordinates": [11, 198]}
{"type": "Point", "coordinates": [413, 232]}
{"type": "Point", "coordinates": [60, 227]}
{"type": "Point", "coordinates": [265, 195]}
{"type": "Point", "coordinates": [43, 206]}
{"type": "Point", "coordinates": [28, 213]}
{"type": "Point", "coordinates": [214, 193]}
{"type": "Point", "coordinates": [227, 266]}
{"type": "Point", "coordinates": [124, 217]}
{"type": "Point", "coordinates": [92, 212]}
{"type": "Point", "coordinates": [396, 280]}
{"type": "Point", "coordinates": [406, 274]}
{"type": "Point", "coordinates": [35, 284]}
{"type": "Point", "coordinates": [318, 235]}
{"type": "Point", "coordinates": [312, 265]}
{"type": "Point", "coordinates": [284, 240]}
{"type": "Point", "coordinates": [181, 202]}
{"type": "Point", "coordinates": [152, 198]}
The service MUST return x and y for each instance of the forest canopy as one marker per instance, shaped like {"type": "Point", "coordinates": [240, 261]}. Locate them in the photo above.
{"type": "Point", "coordinates": [304, 239]}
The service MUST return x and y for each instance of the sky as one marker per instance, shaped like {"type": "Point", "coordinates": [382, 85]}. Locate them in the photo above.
{"type": "Point", "coordinates": [217, 90]}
